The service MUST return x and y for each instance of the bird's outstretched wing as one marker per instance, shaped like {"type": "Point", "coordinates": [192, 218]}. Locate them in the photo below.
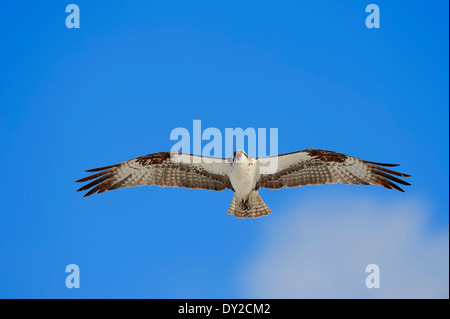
{"type": "Point", "coordinates": [315, 167]}
{"type": "Point", "coordinates": [166, 169]}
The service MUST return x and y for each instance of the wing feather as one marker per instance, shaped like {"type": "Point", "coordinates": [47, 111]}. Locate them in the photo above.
{"type": "Point", "coordinates": [165, 169]}
{"type": "Point", "coordinates": [316, 167]}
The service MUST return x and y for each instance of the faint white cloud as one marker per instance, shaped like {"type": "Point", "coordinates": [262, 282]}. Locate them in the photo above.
{"type": "Point", "coordinates": [321, 249]}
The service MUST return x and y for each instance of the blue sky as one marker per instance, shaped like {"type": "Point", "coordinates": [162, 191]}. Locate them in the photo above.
{"type": "Point", "coordinates": [74, 99]}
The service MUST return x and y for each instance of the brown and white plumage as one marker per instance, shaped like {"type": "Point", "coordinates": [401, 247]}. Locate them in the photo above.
{"type": "Point", "coordinates": [316, 167]}
{"type": "Point", "coordinates": [165, 169]}
{"type": "Point", "coordinates": [242, 174]}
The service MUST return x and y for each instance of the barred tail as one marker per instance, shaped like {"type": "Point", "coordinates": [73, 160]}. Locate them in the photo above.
{"type": "Point", "coordinates": [252, 207]}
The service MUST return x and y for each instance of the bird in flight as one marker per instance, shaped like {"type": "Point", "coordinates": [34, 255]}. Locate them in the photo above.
{"type": "Point", "coordinates": [242, 174]}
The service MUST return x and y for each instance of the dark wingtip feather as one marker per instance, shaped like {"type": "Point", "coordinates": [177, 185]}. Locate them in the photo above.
{"type": "Point", "coordinates": [99, 181]}
{"type": "Point", "coordinates": [101, 168]}
{"type": "Point", "coordinates": [382, 164]}
{"type": "Point", "coordinates": [396, 186]}
{"type": "Point", "coordinates": [88, 178]}
{"type": "Point", "coordinates": [386, 177]}
{"type": "Point", "coordinates": [393, 178]}
{"type": "Point", "coordinates": [92, 191]}
{"type": "Point", "coordinates": [97, 188]}
{"type": "Point", "coordinates": [94, 183]}
{"type": "Point", "coordinates": [390, 171]}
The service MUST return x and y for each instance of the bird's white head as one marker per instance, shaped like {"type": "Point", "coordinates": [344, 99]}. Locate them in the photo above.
{"type": "Point", "coordinates": [240, 157]}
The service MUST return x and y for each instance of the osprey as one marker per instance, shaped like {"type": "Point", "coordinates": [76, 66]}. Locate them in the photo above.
{"type": "Point", "coordinates": [242, 174]}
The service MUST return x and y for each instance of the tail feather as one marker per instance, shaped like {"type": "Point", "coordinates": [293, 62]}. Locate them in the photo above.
{"type": "Point", "coordinates": [252, 207]}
